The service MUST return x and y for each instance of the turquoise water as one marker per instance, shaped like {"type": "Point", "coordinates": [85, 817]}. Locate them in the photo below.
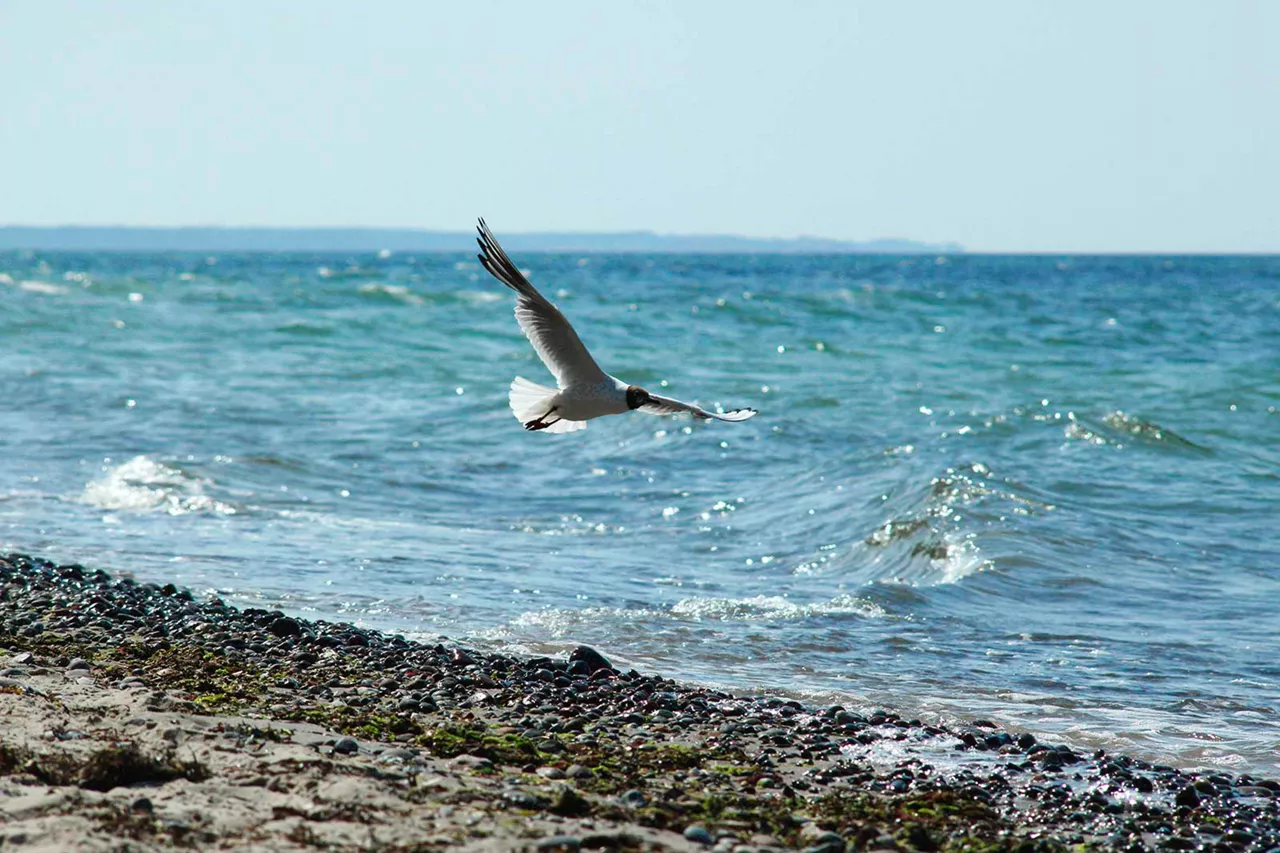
{"type": "Point", "coordinates": [1039, 490]}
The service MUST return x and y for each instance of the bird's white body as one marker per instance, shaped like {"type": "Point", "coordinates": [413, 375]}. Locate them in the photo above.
{"type": "Point", "coordinates": [572, 406]}
{"type": "Point", "coordinates": [584, 402]}
{"type": "Point", "coordinates": [584, 390]}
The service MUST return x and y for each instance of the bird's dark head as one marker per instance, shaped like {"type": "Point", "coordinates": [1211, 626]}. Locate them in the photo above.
{"type": "Point", "coordinates": [636, 396]}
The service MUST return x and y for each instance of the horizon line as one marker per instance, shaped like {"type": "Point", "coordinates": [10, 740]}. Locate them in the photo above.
{"type": "Point", "coordinates": [442, 231]}
{"type": "Point", "coordinates": [903, 245]}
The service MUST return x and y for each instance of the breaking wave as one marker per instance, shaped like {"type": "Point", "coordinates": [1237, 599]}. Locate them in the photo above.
{"type": "Point", "coordinates": [145, 485]}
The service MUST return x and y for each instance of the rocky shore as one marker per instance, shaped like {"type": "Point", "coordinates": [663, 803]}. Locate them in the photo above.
{"type": "Point", "coordinates": [136, 717]}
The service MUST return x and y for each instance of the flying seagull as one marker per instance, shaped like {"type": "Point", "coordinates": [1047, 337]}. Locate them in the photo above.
{"type": "Point", "coordinates": [583, 391]}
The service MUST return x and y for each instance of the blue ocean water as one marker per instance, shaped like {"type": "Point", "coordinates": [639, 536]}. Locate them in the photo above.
{"type": "Point", "coordinates": [1040, 490]}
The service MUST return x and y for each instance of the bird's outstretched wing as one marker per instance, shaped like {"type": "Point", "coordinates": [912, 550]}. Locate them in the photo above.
{"type": "Point", "coordinates": [666, 406]}
{"type": "Point", "coordinates": [555, 341]}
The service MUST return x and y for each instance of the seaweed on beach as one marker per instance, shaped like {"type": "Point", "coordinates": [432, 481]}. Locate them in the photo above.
{"type": "Point", "coordinates": [125, 764]}
{"type": "Point", "coordinates": [118, 765]}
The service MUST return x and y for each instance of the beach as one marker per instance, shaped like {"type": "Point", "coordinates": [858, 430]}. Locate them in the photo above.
{"type": "Point", "coordinates": [139, 717]}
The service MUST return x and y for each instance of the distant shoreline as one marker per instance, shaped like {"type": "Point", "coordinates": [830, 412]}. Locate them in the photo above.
{"type": "Point", "coordinates": [80, 238]}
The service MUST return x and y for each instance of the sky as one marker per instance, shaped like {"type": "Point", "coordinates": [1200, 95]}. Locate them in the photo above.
{"type": "Point", "coordinates": [1004, 126]}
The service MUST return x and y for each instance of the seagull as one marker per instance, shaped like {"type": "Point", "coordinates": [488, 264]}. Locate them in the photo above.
{"type": "Point", "coordinates": [583, 391]}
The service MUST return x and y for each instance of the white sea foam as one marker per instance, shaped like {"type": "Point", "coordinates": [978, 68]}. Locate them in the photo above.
{"type": "Point", "coordinates": [45, 287]}
{"type": "Point", "coordinates": [963, 559]}
{"type": "Point", "coordinates": [398, 292]}
{"type": "Point", "coordinates": [769, 608]}
{"type": "Point", "coordinates": [479, 297]}
{"type": "Point", "coordinates": [145, 485]}
{"type": "Point", "coordinates": [560, 622]}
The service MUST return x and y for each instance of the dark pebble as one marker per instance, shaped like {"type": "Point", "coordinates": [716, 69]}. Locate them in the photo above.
{"type": "Point", "coordinates": [559, 844]}
{"type": "Point", "coordinates": [285, 627]}
{"type": "Point", "coordinates": [523, 800]}
{"type": "Point", "coordinates": [346, 746]}
{"type": "Point", "coordinates": [634, 799]}
{"type": "Point", "coordinates": [827, 843]}
{"type": "Point", "coordinates": [142, 804]}
{"type": "Point", "coordinates": [699, 834]}
{"type": "Point", "coordinates": [569, 802]}
{"type": "Point", "coordinates": [1187, 797]}
{"type": "Point", "coordinates": [920, 838]}
{"type": "Point", "coordinates": [589, 656]}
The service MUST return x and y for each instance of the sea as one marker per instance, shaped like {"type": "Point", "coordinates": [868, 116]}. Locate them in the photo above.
{"type": "Point", "coordinates": [1038, 490]}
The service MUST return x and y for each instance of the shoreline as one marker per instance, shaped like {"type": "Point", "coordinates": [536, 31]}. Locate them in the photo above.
{"type": "Point", "coordinates": [138, 717]}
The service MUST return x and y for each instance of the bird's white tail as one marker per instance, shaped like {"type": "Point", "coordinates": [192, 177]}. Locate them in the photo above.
{"type": "Point", "coordinates": [531, 402]}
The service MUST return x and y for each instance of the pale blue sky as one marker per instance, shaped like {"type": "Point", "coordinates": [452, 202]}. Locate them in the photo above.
{"type": "Point", "coordinates": [1016, 126]}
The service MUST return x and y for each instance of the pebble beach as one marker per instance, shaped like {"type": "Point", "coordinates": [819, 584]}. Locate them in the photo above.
{"type": "Point", "coordinates": [139, 717]}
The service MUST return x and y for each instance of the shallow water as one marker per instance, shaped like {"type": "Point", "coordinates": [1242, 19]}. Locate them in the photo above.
{"type": "Point", "coordinates": [1042, 491]}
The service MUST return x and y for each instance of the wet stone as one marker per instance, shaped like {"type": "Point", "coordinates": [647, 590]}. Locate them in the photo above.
{"type": "Point", "coordinates": [522, 800]}
{"type": "Point", "coordinates": [634, 799]}
{"type": "Point", "coordinates": [821, 841]}
{"type": "Point", "coordinates": [589, 656]}
{"type": "Point", "coordinates": [1253, 791]}
{"type": "Point", "coordinates": [346, 746]}
{"type": "Point", "coordinates": [285, 627]}
{"type": "Point", "coordinates": [699, 834]}
{"type": "Point", "coordinates": [569, 803]}
{"type": "Point", "coordinates": [471, 762]}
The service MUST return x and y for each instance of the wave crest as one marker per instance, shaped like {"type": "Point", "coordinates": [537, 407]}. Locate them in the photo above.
{"type": "Point", "coordinates": [145, 485]}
